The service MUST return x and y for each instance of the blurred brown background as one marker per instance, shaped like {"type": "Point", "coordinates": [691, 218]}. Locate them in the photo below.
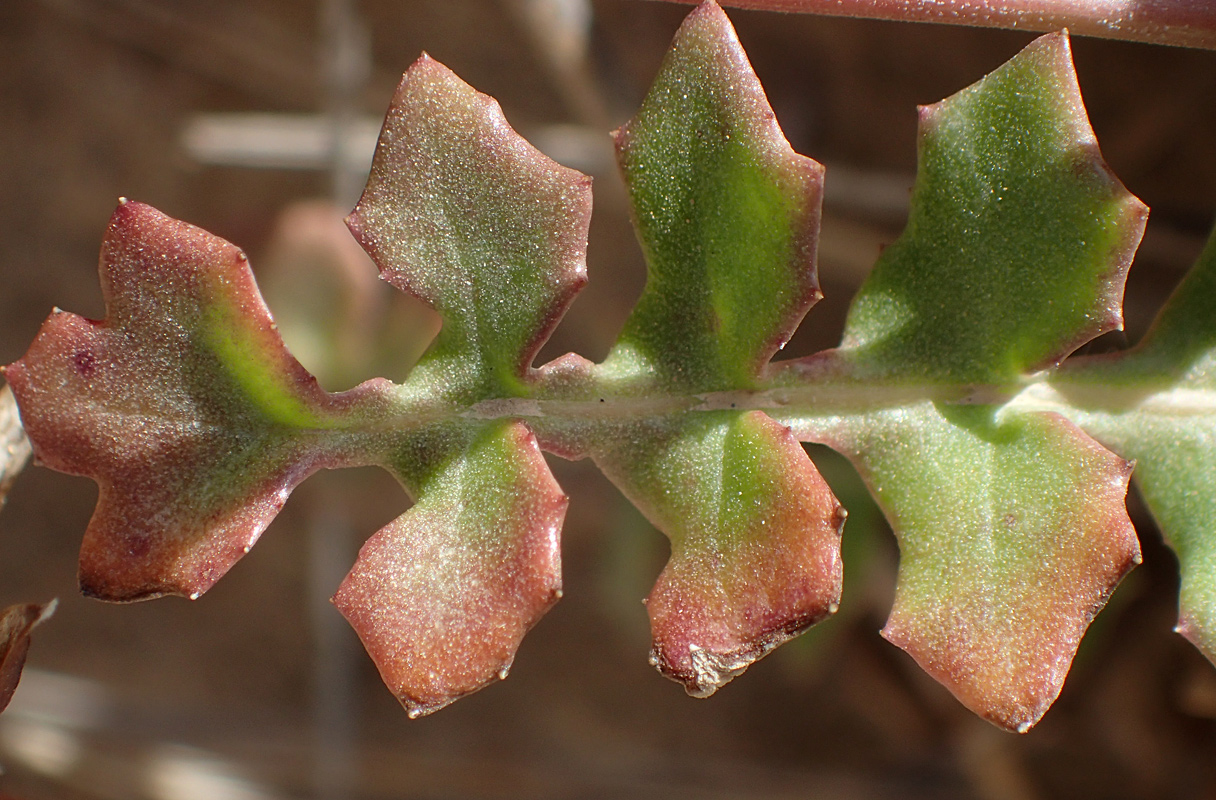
{"type": "Point", "coordinates": [257, 691]}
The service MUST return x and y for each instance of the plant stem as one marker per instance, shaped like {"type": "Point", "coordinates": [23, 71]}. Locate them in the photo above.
{"type": "Point", "coordinates": [1182, 23]}
{"type": "Point", "coordinates": [810, 395]}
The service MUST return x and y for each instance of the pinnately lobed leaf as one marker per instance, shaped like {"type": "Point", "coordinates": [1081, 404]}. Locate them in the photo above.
{"type": "Point", "coordinates": [462, 212]}
{"type": "Point", "coordinates": [1012, 533]}
{"type": "Point", "coordinates": [755, 540]}
{"type": "Point", "coordinates": [196, 422]}
{"type": "Point", "coordinates": [727, 214]}
{"type": "Point", "coordinates": [443, 595]}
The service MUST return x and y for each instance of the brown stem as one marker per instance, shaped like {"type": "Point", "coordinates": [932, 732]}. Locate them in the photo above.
{"type": "Point", "coordinates": [1183, 23]}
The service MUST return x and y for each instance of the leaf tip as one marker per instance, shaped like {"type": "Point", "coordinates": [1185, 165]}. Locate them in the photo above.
{"type": "Point", "coordinates": [708, 9]}
{"type": "Point", "coordinates": [1198, 633]}
{"type": "Point", "coordinates": [94, 585]}
{"type": "Point", "coordinates": [1013, 714]}
{"type": "Point", "coordinates": [128, 209]}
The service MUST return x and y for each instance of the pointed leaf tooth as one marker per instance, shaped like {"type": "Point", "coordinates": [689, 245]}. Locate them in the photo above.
{"type": "Point", "coordinates": [755, 540]}
{"type": "Point", "coordinates": [443, 596]}
{"type": "Point", "coordinates": [182, 404]}
{"type": "Point", "coordinates": [1019, 237]}
{"type": "Point", "coordinates": [1012, 535]}
{"type": "Point", "coordinates": [462, 212]}
{"type": "Point", "coordinates": [727, 213]}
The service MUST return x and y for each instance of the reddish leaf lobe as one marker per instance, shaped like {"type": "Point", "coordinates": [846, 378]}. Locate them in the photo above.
{"type": "Point", "coordinates": [462, 212]}
{"type": "Point", "coordinates": [1011, 538]}
{"type": "Point", "coordinates": [755, 532]}
{"type": "Point", "coordinates": [443, 596]}
{"type": "Point", "coordinates": [183, 405]}
{"type": "Point", "coordinates": [714, 613]}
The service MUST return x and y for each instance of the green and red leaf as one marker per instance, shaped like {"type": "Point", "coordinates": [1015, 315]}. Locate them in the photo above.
{"type": "Point", "coordinates": [1018, 241]}
{"type": "Point", "coordinates": [755, 539]}
{"type": "Point", "coordinates": [462, 212]}
{"type": "Point", "coordinates": [1012, 533]}
{"type": "Point", "coordinates": [1012, 525]}
{"type": "Point", "coordinates": [728, 217]}
{"type": "Point", "coordinates": [443, 596]}
{"type": "Point", "coordinates": [182, 404]}
{"type": "Point", "coordinates": [1156, 403]}
{"type": "Point", "coordinates": [727, 214]}
{"type": "Point", "coordinates": [186, 408]}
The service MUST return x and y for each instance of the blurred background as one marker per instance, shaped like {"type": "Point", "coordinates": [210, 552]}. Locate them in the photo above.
{"type": "Point", "coordinates": [255, 119]}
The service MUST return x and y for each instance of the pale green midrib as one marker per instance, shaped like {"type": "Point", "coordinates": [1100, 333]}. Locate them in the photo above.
{"type": "Point", "coordinates": [549, 410]}
{"type": "Point", "coordinates": [558, 418]}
